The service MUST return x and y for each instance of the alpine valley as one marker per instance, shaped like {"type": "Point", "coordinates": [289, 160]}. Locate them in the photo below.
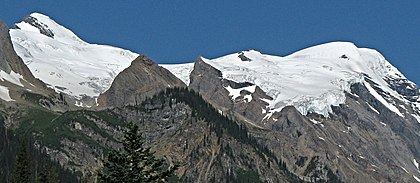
{"type": "Point", "coordinates": [328, 113]}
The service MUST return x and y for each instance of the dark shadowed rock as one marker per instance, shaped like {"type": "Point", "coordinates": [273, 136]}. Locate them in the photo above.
{"type": "Point", "coordinates": [404, 87]}
{"type": "Point", "coordinates": [243, 57]}
{"type": "Point", "coordinates": [4, 48]}
{"type": "Point", "coordinates": [43, 29]}
{"type": "Point", "coordinates": [207, 81]}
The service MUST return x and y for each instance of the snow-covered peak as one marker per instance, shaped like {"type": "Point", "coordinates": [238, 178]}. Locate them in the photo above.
{"type": "Point", "coordinates": [43, 24]}
{"type": "Point", "coordinates": [246, 56]}
{"type": "Point", "coordinates": [251, 54]}
{"type": "Point", "coordinates": [333, 50]}
{"type": "Point", "coordinates": [314, 78]}
{"type": "Point", "coordinates": [55, 55]}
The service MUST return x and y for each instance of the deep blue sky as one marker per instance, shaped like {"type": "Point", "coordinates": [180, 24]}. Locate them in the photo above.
{"type": "Point", "coordinates": [171, 32]}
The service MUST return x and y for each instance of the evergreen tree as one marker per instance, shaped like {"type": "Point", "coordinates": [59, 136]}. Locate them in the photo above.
{"type": "Point", "coordinates": [22, 169]}
{"type": "Point", "coordinates": [134, 163]}
{"type": "Point", "coordinates": [42, 177]}
{"type": "Point", "coordinates": [53, 178]}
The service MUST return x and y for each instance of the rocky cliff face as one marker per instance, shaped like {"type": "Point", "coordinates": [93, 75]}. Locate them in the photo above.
{"type": "Point", "coordinates": [142, 79]}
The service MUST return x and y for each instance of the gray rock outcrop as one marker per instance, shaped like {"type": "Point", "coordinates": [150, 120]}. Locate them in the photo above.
{"type": "Point", "coordinates": [142, 79]}
{"type": "Point", "coordinates": [208, 81]}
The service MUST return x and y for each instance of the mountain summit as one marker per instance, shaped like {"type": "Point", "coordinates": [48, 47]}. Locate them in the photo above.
{"type": "Point", "coordinates": [66, 63]}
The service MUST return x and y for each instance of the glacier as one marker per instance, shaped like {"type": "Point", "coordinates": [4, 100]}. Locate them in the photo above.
{"type": "Point", "coordinates": [312, 79]}
{"type": "Point", "coordinates": [65, 62]}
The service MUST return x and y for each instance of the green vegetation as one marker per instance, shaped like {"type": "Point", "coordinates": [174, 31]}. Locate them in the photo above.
{"type": "Point", "coordinates": [34, 119]}
{"type": "Point", "coordinates": [27, 164]}
{"type": "Point", "coordinates": [63, 128]}
{"type": "Point", "coordinates": [51, 127]}
{"type": "Point", "coordinates": [312, 167]}
{"type": "Point", "coordinates": [248, 176]}
{"type": "Point", "coordinates": [301, 161]}
{"type": "Point", "coordinates": [332, 178]}
{"type": "Point", "coordinates": [314, 173]}
{"type": "Point", "coordinates": [22, 171]}
{"type": "Point", "coordinates": [110, 117]}
{"type": "Point", "coordinates": [34, 98]}
{"type": "Point", "coordinates": [47, 128]}
{"type": "Point", "coordinates": [41, 100]}
{"type": "Point", "coordinates": [134, 163]}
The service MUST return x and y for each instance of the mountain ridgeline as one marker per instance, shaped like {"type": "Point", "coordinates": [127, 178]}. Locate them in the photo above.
{"type": "Point", "coordinates": [329, 113]}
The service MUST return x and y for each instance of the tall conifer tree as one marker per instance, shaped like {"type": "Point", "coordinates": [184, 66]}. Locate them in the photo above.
{"type": "Point", "coordinates": [134, 163]}
{"type": "Point", "coordinates": [22, 171]}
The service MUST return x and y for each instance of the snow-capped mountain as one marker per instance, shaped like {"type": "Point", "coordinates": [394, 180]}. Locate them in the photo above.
{"type": "Point", "coordinates": [63, 61]}
{"type": "Point", "coordinates": [328, 109]}
{"type": "Point", "coordinates": [313, 79]}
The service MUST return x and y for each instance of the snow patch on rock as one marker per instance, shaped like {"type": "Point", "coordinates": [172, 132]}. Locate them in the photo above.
{"type": "Point", "coordinates": [404, 169]}
{"type": "Point", "coordinates": [12, 77]}
{"type": "Point", "coordinates": [417, 117]}
{"type": "Point", "coordinates": [4, 94]}
{"type": "Point", "coordinates": [236, 92]}
{"type": "Point", "coordinates": [417, 179]}
{"type": "Point", "coordinates": [381, 99]}
{"type": "Point", "coordinates": [373, 109]}
{"type": "Point", "coordinates": [316, 122]}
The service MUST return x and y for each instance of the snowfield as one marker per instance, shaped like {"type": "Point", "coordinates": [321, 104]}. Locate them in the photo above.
{"type": "Point", "coordinates": [182, 71]}
{"type": "Point", "coordinates": [312, 80]}
{"type": "Point", "coordinates": [4, 94]}
{"type": "Point", "coordinates": [13, 78]}
{"type": "Point", "coordinates": [65, 62]}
